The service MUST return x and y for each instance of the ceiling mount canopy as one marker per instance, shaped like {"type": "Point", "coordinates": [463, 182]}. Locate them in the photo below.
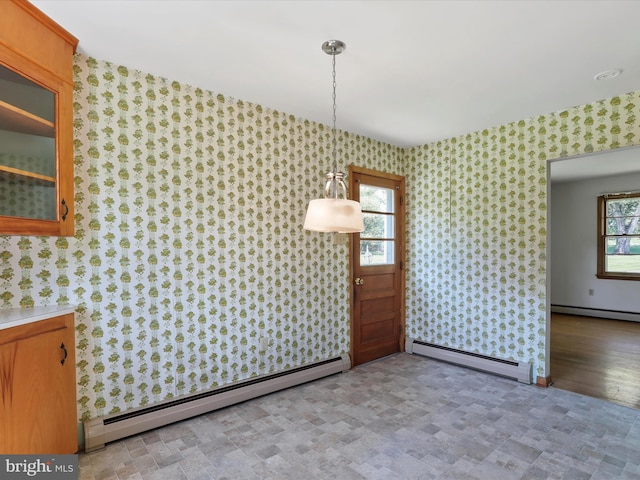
{"type": "Point", "coordinates": [334, 47]}
{"type": "Point", "coordinates": [332, 213]}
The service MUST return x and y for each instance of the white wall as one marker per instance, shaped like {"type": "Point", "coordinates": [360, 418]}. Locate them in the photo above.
{"type": "Point", "coordinates": [574, 246]}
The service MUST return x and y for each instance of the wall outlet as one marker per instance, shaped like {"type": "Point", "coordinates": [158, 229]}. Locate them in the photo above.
{"type": "Point", "coordinates": [264, 343]}
{"type": "Point", "coordinates": [591, 292]}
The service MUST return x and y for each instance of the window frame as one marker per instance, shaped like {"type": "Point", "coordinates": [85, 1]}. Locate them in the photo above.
{"type": "Point", "coordinates": [602, 238]}
{"type": "Point", "coordinates": [388, 214]}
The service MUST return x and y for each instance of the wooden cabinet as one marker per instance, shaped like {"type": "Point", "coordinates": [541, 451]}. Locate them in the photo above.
{"type": "Point", "coordinates": [36, 122]}
{"type": "Point", "coordinates": [38, 388]}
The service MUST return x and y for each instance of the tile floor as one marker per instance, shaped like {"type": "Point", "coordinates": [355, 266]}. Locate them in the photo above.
{"type": "Point", "coordinates": [402, 417]}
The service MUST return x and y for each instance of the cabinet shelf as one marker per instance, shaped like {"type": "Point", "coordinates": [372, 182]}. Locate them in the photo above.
{"type": "Point", "coordinates": [36, 177]}
{"type": "Point", "coordinates": [15, 119]}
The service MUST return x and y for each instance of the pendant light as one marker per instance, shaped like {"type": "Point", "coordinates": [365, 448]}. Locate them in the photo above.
{"type": "Point", "coordinates": [331, 213]}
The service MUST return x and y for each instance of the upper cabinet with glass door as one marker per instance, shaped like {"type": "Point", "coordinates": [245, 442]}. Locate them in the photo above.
{"type": "Point", "coordinates": [36, 122]}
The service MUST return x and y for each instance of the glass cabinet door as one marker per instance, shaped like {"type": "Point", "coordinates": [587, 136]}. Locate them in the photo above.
{"type": "Point", "coordinates": [28, 173]}
{"type": "Point", "coordinates": [36, 123]}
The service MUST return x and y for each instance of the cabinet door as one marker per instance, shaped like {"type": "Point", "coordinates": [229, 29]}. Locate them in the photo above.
{"type": "Point", "coordinates": [34, 196]}
{"type": "Point", "coordinates": [37, 389]}
{"type": "Point", "coordinates": [36, 123]}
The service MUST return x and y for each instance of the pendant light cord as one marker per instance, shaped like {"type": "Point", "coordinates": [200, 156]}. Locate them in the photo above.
{"type": "Point", "coordinates": [335, 154]}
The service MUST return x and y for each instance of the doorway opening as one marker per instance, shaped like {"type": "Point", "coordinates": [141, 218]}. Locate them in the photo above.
{"type": "Point", "coordinates": [586, 351]}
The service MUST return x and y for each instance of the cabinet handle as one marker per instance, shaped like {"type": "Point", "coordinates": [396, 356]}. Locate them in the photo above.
{"type": "Point", "coordinates": [66, 212]}
{"type": "Point", "coordinates": [66, 354]}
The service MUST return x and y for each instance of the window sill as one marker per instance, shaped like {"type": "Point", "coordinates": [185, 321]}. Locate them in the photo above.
{"type": "Point", "coordinates": [618, 276]}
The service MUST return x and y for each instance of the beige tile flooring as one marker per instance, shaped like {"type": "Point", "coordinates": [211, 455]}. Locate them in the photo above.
{"type": "Point", "coordinates": [402, 417]}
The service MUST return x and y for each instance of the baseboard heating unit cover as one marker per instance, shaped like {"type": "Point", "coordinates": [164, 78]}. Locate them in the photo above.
{"type": "Point", "coordinates": [507, 368]}
{"type": "Point", "coordinates": [102, 430]}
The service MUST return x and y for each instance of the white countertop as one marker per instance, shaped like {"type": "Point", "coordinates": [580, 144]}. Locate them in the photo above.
{"type": "Point", "coordinates": [13, 317]}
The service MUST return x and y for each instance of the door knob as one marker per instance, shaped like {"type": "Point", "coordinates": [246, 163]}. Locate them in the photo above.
{"type": "Point", "coordinates": [359, 281]}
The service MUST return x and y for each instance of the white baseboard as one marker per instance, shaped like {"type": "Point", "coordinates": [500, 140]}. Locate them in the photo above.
{"type": "Point", "coordinates": [101, 430]}
{"type": "Point", "coordinates": [520, 371]}
{"type": "Point", "coordinates": [596, 312]}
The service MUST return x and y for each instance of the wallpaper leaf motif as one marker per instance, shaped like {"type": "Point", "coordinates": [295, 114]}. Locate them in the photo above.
{"type": "Point", "coordinates": [189, 246]}
{"type": "Point", "coordinates": [477, 216]}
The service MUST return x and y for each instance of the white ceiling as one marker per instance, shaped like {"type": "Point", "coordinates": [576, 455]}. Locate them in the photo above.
{"type": "Point", "coordinates": [413, 72]}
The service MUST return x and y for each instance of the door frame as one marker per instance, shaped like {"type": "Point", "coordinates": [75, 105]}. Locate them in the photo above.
{"type": "Point", "coordinates": [401, 257]}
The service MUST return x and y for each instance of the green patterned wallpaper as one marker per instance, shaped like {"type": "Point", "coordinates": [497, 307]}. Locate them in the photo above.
{"type": "Point", "coordinates": [189, 244]}
{"type": "Point", "coordinates": [477, 227]}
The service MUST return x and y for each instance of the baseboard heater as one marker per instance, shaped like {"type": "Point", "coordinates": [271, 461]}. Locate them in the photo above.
{"type": "Point", "coordinates": [596, 312]}
{"type": "Point", "coordinates": [506, 368]}
{"type": "Point", "coordinates": [102, 430]}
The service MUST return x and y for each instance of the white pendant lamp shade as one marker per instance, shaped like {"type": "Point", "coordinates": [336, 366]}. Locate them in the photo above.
{"type": "Point", "coordinates": [334, 215]}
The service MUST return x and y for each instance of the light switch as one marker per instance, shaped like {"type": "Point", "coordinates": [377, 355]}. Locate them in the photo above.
{"type": "Point", "coordinates": [341, 239]}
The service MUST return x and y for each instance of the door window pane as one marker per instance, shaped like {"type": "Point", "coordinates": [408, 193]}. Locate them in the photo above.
{"type": "Point", "coordinates": [376, 252]}
{"type": "Point", "coordinates": [377, 225]}
{"type": "Point", "coordinates": [376, 199]}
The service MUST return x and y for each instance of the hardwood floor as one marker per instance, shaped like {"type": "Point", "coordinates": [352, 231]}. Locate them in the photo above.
{"type": "Point", "coordinates": [596, 357]}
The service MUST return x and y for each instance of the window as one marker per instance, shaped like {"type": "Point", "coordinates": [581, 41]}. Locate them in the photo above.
{"type": "Point", "coordinates": [619, 236]}
{"type": "Point", "coordinates": [377, 241]}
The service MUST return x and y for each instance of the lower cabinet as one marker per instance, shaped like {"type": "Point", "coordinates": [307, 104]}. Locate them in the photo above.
{"type": "Point", "coordinates": [38, 388]}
